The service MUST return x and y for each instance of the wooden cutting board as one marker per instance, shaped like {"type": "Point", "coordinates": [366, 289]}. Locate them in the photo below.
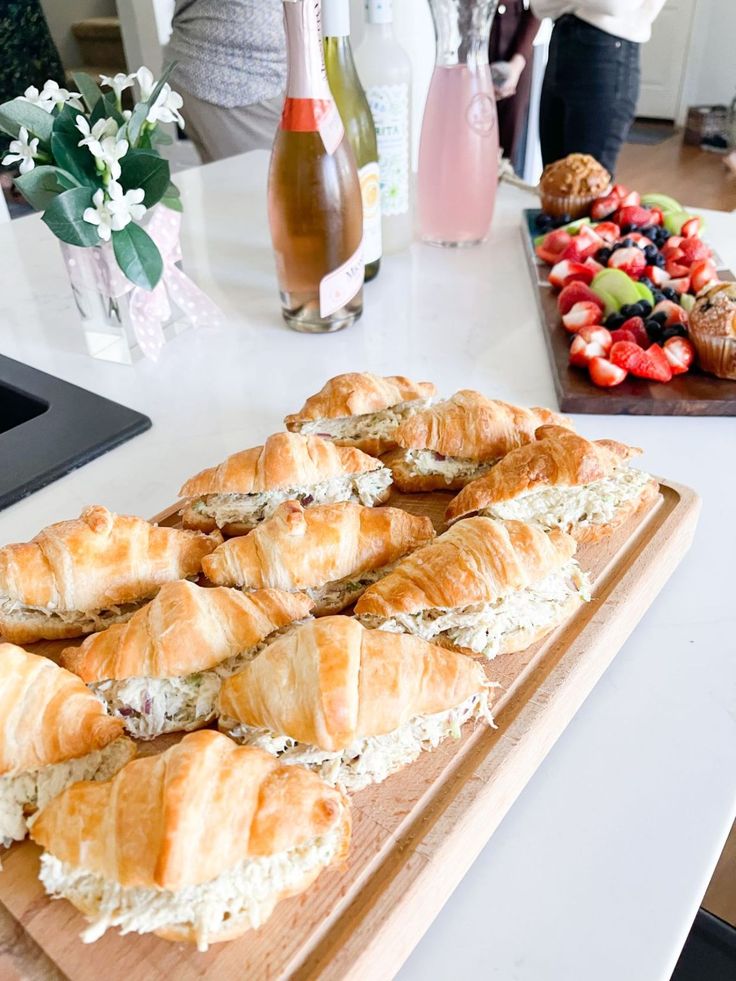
{"type": "Point", "coordinates": [692, 394]}
{"type": "Point", "coordinates": [415, 835]}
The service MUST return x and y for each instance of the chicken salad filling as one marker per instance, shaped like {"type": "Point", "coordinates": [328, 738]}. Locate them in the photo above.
{"type": "Point", "coordinates": [372, 425]}
{"type": "Point", "coordinates": [368, 760]}
{"type": "Point", "coordinates": [486, 628]}
{"type": "Point", "coordinates": [249, 890]}
{"type": "Point", "coordinates": [568, 507]}
{"type": "Point", "coordinates": [366, 488]}
{"type": "Point", "coordinates": [87, 621]}
{"type": "Point", "coordinates": [450, 468]}
{"type": "Point", "coordinates": [24, 793]}
{"type": "Point", "coordinates": [345, 591]}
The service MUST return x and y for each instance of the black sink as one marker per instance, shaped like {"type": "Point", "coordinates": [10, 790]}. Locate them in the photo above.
{"type": "Point", "coordinates": [49, 427]}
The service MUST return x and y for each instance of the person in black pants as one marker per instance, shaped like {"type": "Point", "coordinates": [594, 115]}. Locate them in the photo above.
{"type": "Point", "coordinates": [591, 84]}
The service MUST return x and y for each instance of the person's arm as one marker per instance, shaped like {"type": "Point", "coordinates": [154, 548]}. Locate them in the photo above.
{"type": "Point", "coordinates": [522, 48]}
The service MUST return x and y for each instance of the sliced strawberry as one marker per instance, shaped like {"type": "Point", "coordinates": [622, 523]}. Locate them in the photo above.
{"type": "Point", "coordinates": [621, 334]}
{"type": "Point", "coordinates": [583, 314]}
{"type": "Point", "coordinates": [608, 231]}
{"type": "Point", "coordinates": [675, 270]}
{"type": "Point", "coordinates": [619, 191]}
{"type": "Point", "coordinates": [604, 374]}
{"type": "Point", "coordinates": [589, 235]}
{"type": "Point", "coordinates": [702, 272]}
{"type": "Point", "coordinates": [650, 364]}
{"type": "Point", "coordinates": [672, 252]}
{"type": "Point", "coordinates": [631, 199]}
{"type": "Point", "coordinates": [656, 216]}
{"type": "Point", "coordinates": [641, 240]}
{"type": "Point", "coordinates": [658, 276]}
{"type": "Point", "coordinates": [682, 284]}
{"type": "Point", "coordinates": [566, 271]}
{"type": "Point", "coordinates": [576, 251]}
{"type": "Point", "coordinates": [679, 352]}
{"type": "Point", "coordinates": [625, 354]}
{"type": "Point", "coordinates": [577, 292]}
{"type": "Point", "coordinates": [603, 207]}
{"type": "Point", "coordinates": [596, 334]}
{"type": "Point", "coordinates": [694, 249]}
{"type": "Point", "coordinates": [553, 245]}
{"type": "Point", "coordinates": [691, 227]}
{"type": "Point", "coordinates": [595, 266]}
{"type": "Point", "coordinates": [581, 351]}
{"type": "Point", "coordinates": [675, 313]}
{"type": "Point", "coordinates": [631, 261]}
{"type": "Point", "coordinates": [632, 215]}
{"type": "Point", "coordinates": [635, 327]}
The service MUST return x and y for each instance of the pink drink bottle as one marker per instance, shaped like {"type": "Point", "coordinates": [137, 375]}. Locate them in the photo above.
{"type": "Point", "coordinates": [458, 150]}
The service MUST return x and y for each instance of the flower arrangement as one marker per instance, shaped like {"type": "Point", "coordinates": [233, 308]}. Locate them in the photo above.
{"type": "Point", "coordinates": [92, 167]}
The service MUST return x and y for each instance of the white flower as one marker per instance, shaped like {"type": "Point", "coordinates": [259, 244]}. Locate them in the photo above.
{"type": "Point", "coordinates": [146, 82]}
{"type": "Point", "coordinates": [51, 96]}
{"type": "Point", "coordinates": [100, 215]}
{"type": "Point", "coordinates": [118, 83]}
{"type": "Point", "coordinates": [22, 150]}
{"type": "Point", "coordinates": [37, 98]}
{"type": "Point", "coordinates": [92, 138]}
{"type": "Point", "coordinates": [125, 207]}
{"type": "Point", "coordinates": [112, 150]}
{"type": "Point", "coordinates": [166, 107]}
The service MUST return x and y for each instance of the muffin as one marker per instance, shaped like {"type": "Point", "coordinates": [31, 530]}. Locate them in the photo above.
{"type": "Point", "coordinates": [569, 186]}
{"type": "Point", "coordinates": [712, 329]}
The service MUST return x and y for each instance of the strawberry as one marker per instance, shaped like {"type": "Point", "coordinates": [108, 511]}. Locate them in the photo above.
{"type": "Point", "coordinates": [656, 216]}
{"type": "Point", "coordinates": [604, 374]}
{"type": "Point", "coordinates": [596, 334]}
{"type": "Point", "coordinates": [566, 271]}
{"type": "Point", "coordinates": [675, 313]}
{"type": "Point", "coordinates": [624, 354]}
{"type": "Point", "coordinates": [595, 266]}
{"type": "Point", "coordinates": [630, 261]}
{"type": "Point", "coordinates": [658, 276]}
{"type": "Point", "coordinates": [635, 327]}
{"type": "Point", "coordinates": [619, 191]}
{"type": "Point", "coordinates": [680, 352]}
{"type": "Point", "coordinates": [675, 270]}
{"type": "Point", "coordinates": [581, 351]}
{"type": "Point", "coordinates": [682, 284]}
{"type": "Point", "coordinates": [641, 240]}
{"type": "Point", "coordinates": [576, 251]}
{"type": "Point", "coordinates": [631, 199]}
{"type": "Point", "coordinates": [589, 237]}
{"type": "Point", "coordinates": [651, 363]}
{"type": "Point", "coordinates": [553, 245]}
{"type": "Point", "coordinates": [702, 272]}
{"type": "Point", "coordinates": [577, 292]}
{"type": "Point", "coordinates": [608, 231]}
{"type": "Point", "coordinates": [622, 334]}
{"type": "Point", "coordinates": [582, 314]}
{"type": "Point", "coordinates": [694, 249]}
{"type": "Point", "coordinates": [632, 215]}
{"type": "Point", "coordinates": [691, 227]}
{"type": "Point", "coordinates": [672, 252]}
{"type": "Point", "coordinates": [603, 207]}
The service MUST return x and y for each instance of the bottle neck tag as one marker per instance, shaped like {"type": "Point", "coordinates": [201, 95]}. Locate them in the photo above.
{"type": "Point", "coordinates": [335, 18]}
{"type": "Point", "coordinates": [379, 11]}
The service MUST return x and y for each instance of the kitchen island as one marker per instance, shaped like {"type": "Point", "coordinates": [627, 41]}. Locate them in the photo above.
{"type": "Point", "coordinates": [599, 867]}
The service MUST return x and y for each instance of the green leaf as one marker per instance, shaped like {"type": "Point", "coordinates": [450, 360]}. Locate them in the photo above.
{"type": "Point", "coordinates": [172, 191]}
{"type": "Point", "coordinates": [89, 89]}
{"type": "Point", "coordinates": [18, 112]}
{"type": "Point", "coordinates": [65, 179]}
{"type": "Point", "coordinates": [107, 108]}
{"type": "Point", "coordinates": [39, 186]}
{"type": "Point", "coordinates": [173, 203]}
{"type": "Point", "coordinates": [74, 159]}
{"type": "Point", "coordinates": [135, 123]}
{"type": "Point", "coordinates": [138, 256]}
{"type": "Point", "coordinates": [64, 217]}
{"type": "Point", "coordinates": [160, 84]}
{"type": "Point", "coordinates": [159, 138]}
{"type": "Point", "coordinates": [146, 170]}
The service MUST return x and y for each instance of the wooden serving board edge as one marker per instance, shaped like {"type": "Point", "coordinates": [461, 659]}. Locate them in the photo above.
{"type": "Point", "coordinates": [375, 934]}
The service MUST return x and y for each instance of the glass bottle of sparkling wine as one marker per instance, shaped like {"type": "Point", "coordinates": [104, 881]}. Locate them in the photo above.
{"type": "Point", "coordinates": [314, 202]}
{"type": "Point", "coordinates": [356, 116]}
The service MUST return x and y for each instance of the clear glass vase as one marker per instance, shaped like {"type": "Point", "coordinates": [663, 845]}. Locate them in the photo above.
{"type": "Point", "coordinates": [458, 150]}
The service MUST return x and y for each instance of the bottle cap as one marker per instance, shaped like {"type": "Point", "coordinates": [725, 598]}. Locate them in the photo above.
{"type": "Point", "coordinates": [335, 18]}
{"type": "Point", "coordinates": [379, 11]}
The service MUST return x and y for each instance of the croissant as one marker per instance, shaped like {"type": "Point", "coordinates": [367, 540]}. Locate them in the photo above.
{"type": "Point", "coordinates": [361, 409]}
{"type": "Point", "coordinates": [332, 550]}
{"type": "Point", "coordinates": [487, 586]}
{"type": "Point", "coordinates": [171, 655]}
{"type": "Point", "coordinates": [75, 576]}
{"type": "Point", "coordinates": [248, 486]}
{"type": "Point", "coordinates": [53, 732]}
{"type": "Point", "coordinates": [561, 480]}
{"type": "Point", "coordinates": [449, 444]}
{"type": "Point", "coordinates": [336, 696]}
{"type": "Point", "coordinates": [198, 843]}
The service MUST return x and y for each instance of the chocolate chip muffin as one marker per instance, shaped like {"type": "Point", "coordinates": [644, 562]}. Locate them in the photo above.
{"type": "Point", "coordinates": [569, 186]}
{"type": "Point", "coordinates": [712, 329]}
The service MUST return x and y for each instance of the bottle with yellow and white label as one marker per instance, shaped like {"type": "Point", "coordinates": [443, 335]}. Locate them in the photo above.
{"type": "Point", "coordinates": [356, 116]}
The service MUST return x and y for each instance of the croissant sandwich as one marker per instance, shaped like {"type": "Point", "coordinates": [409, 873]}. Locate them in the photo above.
{"type": "Point", "coordinates": [249, 486]}
{"type": "Point", "coordinates": [489, 587]}
{"type": "Point", "coordinates": [331, 552]}
{"type": "Point", "coordinates": [354, 705]}
{"type": "Point", "coordinates": [448, 445]}
{"type": "Point", "coordinates": [197, 844]}
{"type": "Point", "coordinates": [360, 409]}
{"type": "Point", "coordinates": [82, 575]}
{"type": "Point", "coordinates": [53, 732]}
{"type": "Point", "coordinates": [561, 480]}
{"type": "Point", "coordinates": [161, 671]}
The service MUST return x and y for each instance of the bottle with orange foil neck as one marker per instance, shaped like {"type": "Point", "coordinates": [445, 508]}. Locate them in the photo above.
{"type": "Point", "coordinates": [314, 199]}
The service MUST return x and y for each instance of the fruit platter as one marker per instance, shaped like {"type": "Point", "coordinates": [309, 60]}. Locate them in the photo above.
{"type": "Point", "coordinates": [615, 290]}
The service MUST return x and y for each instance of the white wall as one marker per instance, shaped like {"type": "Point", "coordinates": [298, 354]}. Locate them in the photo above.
{"type": "Point", "coordinates": [61, 14]}
{"type": "Point", "coordinates": [711, 72]}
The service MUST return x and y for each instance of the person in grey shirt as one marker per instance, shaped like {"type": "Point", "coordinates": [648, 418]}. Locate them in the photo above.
{"type": "Point", "coordinates": [231, 72]}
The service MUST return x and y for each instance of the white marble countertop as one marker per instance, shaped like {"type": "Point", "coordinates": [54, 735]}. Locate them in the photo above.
{"type": "Point", "coordinates": [599, 867]}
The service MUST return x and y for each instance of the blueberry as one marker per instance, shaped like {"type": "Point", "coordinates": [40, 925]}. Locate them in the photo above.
{"type": "Point", "coordinates": [651, 253]}
{"type": "Point", "coordinates": [659, 261]}
{"type": "Point", "coordinates": [654, 330]}
{"type": "Point", "coordinates": [633, 227]}
{"type": "Point", "coordinates": [646, 281]}
{"type": "Point", "coordinates": [664, 234]}
{"type": "Point", "coordinates": [614, 321]}
{"type": "Point", "coordinates": [671, 294]}
{"type": "Point", "coordinates": [626, 229]}
{"type": "Point", "coordinates": [650, 231]}
{"type": "Point", "coordinates": [676, 330]}
{"type": "Point", "coordinates": [645, 307]}
{"type": "Point", "coordinates": [627, 243]}
{"type": "Point", "coordinates": [658, 296]}
{"type": "Point", "coordinates": [603, 255]}
{"type": "Point", "coordinates": [630, 310]}
{"type": "Point", "coordinates": [565, 219]}
{"type": "Point", "coordinates": [660, 316]}
{"type": "Point", "coordinates": [616, 246]}
{"type": "Point", "coordinates": [543, 222]}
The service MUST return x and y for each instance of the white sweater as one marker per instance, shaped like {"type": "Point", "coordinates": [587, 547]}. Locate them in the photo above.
{"type": "Point", "coordinates": [629, 19]}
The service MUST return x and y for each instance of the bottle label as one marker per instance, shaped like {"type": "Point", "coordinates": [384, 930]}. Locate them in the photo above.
{"type": "Point", "coordinates": [340, 286]}
{"type": "Point", "coordinates": [370, 192]}
{"type": "Point", "coordinates": [390, 108]}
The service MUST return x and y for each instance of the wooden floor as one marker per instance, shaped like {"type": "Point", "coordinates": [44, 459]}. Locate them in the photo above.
{"type": "Point", "coordinates": [720, 898]}
{"type": "Point", "coordinates": [691, 175]}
